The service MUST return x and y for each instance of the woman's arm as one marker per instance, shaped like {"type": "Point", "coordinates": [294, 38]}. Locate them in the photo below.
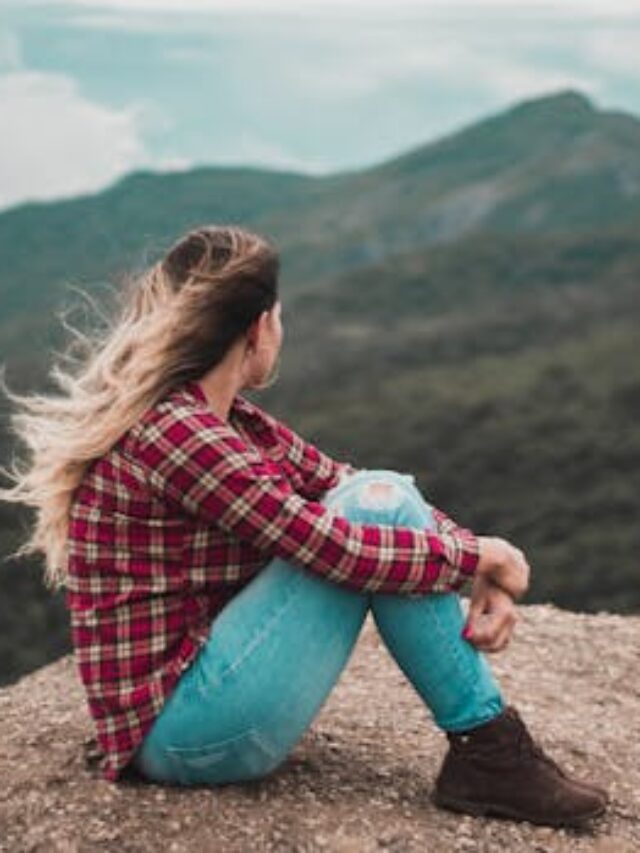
{"type": "Point", "coordinates": [316, 470]}
{"type": "Point", "coordinates": [202, 466]}
{"type": "Point", "coordinates": [501, 563]}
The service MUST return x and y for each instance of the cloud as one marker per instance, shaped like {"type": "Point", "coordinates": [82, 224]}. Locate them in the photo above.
{"type": "Point", "coordinates": [390, 9]}
{"type": "Point", "coordinates": [612, 7]}
{"type": "Point", "coordinates": [433, 75]}
{"type": "Point", "coordinates": [10, 51]}
{"type": "Point", "coordinates": [57, 143]}
{"type": "Point", "coordinates": [511, 77]}
{"type": "Point", "coordinates": [615, 50]}
{"type": "Point", "coordinates": [387, 57]}
{"type": "Point", "coordinates": [173, 164]}
{"type": "Point", "coordinates": [535, 21]}
{"type": "Point", "coordinates": [249, 150]}
{"type": "Point", "coordinates": [188, 54]}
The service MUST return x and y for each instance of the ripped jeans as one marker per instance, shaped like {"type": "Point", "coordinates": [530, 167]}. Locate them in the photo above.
{"type": "Point", "coordinates": [278, 647]}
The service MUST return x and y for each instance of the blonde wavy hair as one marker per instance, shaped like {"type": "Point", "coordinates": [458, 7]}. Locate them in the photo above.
{"type": "Point", "coordinates": [176, 320]}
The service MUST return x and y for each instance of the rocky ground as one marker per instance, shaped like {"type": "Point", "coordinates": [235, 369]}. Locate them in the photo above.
{"type": "Point", "coordinates": [361, 777]}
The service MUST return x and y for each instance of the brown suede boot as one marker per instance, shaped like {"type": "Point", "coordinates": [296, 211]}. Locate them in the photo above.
{"type": "Point", "coordinates": [498, 769]}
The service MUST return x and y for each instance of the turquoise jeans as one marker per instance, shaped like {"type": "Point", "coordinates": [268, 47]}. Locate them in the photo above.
{"type": "Point", "coordinates": [277, 648]}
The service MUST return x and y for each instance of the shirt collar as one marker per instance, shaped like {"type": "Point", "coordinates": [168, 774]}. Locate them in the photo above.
{"type": "Point", "coordinates": [252, 414]}
{"type": "Point", "coordinates": [239, 403]}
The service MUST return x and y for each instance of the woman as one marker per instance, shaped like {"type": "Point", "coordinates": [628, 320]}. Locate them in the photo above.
{"type": "Point", "coordinates": [218, 567]}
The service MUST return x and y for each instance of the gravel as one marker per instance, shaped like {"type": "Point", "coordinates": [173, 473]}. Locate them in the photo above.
{"type": "Point", "coordinates": [361, 777]}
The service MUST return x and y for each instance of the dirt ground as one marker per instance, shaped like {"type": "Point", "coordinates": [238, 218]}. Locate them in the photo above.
{"type": "Point", "coordinates": [361, 777]}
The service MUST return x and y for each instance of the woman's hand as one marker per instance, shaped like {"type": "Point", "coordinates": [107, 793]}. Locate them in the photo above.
{"type": "Point", "coordinates": [492, 616]}
{"type": "Point", "coordinates": [503, 565]}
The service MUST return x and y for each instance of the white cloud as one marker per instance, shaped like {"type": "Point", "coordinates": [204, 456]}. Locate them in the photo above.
{"type": "Point", "coordinates": [57, 143]}
{"type": "Point", "coordinates": [552, 19]}
{"type": "Point", "coordinates": [615, 50]}
{"type": "Point", "coordinates": [173, 163]}
{"type": "Point", "coordinates": [250, 150]}
{"type": "Point", "coordinates": [613, 6]}
{"type": "Point", "coordinates": [620, 9]}
{"type": "Point", "coordinates": [511, 78]}
{"type": "Point", "coordinates": [188, 54]}
{"type": "Point", "coordinates": [131, 21]}
{"type": "Point", "coordinates": [10, 51]}
{"type": "Point", "coordinates": [438, 61]}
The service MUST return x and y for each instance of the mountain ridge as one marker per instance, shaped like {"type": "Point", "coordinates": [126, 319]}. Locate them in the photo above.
{"type": "Point", "coordinates": [496, 175]}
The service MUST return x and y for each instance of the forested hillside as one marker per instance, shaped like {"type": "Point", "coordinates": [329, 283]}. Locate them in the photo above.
{"type": "Point", "coordinates": [467, 312]}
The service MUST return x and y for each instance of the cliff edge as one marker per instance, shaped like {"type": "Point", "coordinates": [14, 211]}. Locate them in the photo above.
{"type": "Point", "coordinates": [360, 778]}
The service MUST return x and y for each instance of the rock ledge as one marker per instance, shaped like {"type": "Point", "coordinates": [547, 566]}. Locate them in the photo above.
{"type": "Point", "coordinates": [360, 778]}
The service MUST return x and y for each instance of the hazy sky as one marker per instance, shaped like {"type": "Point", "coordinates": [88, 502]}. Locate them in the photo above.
{"type": "Point", "coordinates": [92, 90]}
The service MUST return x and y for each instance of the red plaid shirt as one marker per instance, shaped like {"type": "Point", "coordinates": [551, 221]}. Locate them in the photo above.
{"type": "Point", "coordinates": [181, 513]}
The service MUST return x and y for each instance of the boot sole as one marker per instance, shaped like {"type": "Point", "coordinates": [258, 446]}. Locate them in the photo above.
{"type": "Point", "coordinates": [498, 810]}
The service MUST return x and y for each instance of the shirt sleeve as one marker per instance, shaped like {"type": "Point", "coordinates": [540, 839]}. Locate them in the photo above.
{"type": "Point", "coordinates": [202, 465]}
{"type": "Point", "coordinates": [465, 537]}
{"type": "Point", "coordinates": [316, 471]}
{"type": "Point", "coordinates": [445, 523]}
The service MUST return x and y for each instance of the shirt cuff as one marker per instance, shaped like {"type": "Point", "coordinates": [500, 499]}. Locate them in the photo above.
{"type": "Point", "coordinates": [470, 552]}
{"type": "Point", "coordinates": [463, 551]}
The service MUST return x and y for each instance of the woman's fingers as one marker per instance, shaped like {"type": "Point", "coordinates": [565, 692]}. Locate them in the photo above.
{"type": "Point", "coordinates": [491, 618]}
{"type": "Point", "coordinates": [478, 603]}
{"type": "Point", "coordinates": [485, 630]}
{"type": "Point", "coordinates": [491, 633]}
{"type": "Point", "coordinates": [504, 565]}
{"type": "Point", "coordinates": [501, 641]}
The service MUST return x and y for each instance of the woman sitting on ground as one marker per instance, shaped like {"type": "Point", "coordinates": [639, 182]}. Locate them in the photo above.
{"type": "Point", "coordinates": [218, 567]}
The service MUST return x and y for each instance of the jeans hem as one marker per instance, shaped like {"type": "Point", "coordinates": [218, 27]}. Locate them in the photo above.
{"type": "Point", "coordinates": [462, 726]}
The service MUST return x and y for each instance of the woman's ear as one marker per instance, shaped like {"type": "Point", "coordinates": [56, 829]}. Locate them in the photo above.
{"type": "Point", "coordinates": [254, 331]}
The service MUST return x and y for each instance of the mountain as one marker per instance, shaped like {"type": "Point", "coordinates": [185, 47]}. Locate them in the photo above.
{"type": "Point", "coordinates": [467, 311]}
{"type": "Point", "coordinates": [546, 165]}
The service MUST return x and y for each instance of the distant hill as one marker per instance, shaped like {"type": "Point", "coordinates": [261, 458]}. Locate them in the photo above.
{"type": "Point", "coordinates": [546, 165]}
{"type": "Point", "coordinates": [467, 311]}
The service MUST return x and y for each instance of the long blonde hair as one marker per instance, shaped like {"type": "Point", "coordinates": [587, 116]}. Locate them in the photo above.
{"type": "Point", "coordinates": [177, 320]}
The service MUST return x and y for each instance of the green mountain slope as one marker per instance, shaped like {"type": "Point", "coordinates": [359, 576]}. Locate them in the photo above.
{"type": "Point", "coordinates": [516, 406]}
{"type": "Point", "coordinates": [547, 165]}
{"type": "Point", "coordinates": [467, 311]}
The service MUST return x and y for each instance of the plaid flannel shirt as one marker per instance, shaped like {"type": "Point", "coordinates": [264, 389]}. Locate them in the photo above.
{"type": "Point", "coordinates": [179, 515]}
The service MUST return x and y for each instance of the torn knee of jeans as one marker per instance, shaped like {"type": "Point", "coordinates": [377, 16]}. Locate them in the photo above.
{"type": "Point", "coordinates": [380, 495]}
